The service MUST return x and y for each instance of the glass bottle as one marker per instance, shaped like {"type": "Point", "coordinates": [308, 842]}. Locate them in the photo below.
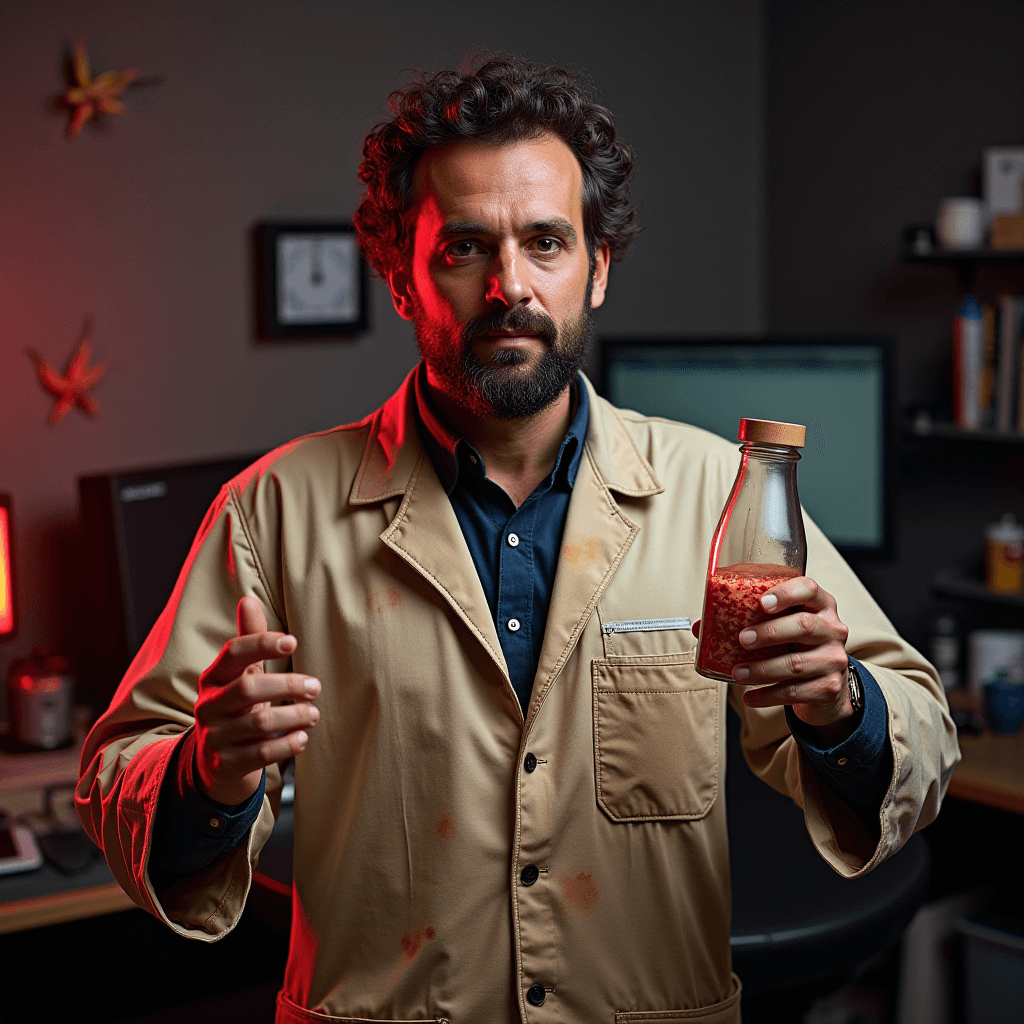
{"type": "Point", "coordinates": [758, 544]}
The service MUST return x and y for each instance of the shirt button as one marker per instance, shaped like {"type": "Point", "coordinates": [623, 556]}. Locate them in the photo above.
{"type": "Point", "coordinates": [513, 540]}
{"type": "Point", "coordinates": [529, 874]}
{"type": "Point", "coordinates": [215, 823]}
{"type": "Point", "coordinates": [513, 625]}
{"type": "Point", "coordinates": [530, 762]}
{"type": "Point", "coordinates": [535, 995]}
{"type": "Point", "coordinates": [841, 761]}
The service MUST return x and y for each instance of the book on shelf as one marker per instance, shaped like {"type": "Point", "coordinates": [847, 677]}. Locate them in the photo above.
{"type": "Point", "coordinates": [988, 364]}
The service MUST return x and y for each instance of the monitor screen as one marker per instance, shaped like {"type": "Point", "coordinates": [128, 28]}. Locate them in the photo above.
{"type": "Point", "coordinates": [836, 389]}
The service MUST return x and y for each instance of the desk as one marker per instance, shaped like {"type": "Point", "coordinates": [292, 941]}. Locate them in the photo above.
{"type": "Point", "coordinates": [991, 772]}
{"type": "Point", "coordinates": [992, 769]}
{"type": "Point", "coordinates": [32, 899]}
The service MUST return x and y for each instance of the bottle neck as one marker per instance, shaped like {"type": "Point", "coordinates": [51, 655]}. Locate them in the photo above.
{"type": "Point", "coordinates": [769, 452]}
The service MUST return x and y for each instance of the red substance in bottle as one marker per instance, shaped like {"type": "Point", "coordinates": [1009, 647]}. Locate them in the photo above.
{"type": "Point", "coordinates": [731, 603]}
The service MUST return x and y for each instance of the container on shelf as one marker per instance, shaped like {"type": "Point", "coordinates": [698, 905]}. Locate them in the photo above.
{"type": "Point", "coordinates": [990, 650]}
{"type": "Point", "coordinates": [960, 223]}
{"type": "Point", "coordinates": [758, 544]}
{"type": "Point", "coordinates": [1004, 555]}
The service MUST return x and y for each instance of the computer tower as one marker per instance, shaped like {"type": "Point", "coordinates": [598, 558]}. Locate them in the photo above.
{"type": "Point", "coordinates": [138, 526]}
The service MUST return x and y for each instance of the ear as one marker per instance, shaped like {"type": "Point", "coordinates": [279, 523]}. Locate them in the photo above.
{"type": "Point", "coordinates": [402, 295]}
{"type": "Point", "coordinates": [602, 258]}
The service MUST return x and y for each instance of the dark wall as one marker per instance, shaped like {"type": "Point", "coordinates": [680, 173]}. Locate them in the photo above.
{"type": "Point", "coordinates": [144, 223]}
{"type": "Point", "coordinates": [875, 111]}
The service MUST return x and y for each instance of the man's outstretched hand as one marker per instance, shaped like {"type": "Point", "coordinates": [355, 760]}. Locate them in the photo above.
{"type": "Point", "coordinates": [239, 731]}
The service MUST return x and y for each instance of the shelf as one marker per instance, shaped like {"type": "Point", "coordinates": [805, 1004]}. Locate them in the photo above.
{"type": "Point", "coordinates": [941, 257]}
{"type": "Point", "coordinates": [965, 262]}
{"type": "Point", "coordinates": [950, 583]}
{"type": "Point", "coordinates": [950, 431]}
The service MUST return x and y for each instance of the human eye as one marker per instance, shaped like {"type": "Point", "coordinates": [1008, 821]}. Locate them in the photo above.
{"type": "Point", "coordinates": [462, 250]}
{"type": "Point", "coordinates": [547, 245]}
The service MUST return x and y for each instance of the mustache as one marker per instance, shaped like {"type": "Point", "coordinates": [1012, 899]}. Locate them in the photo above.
{"type": "Point", "coordinates": [518, 320]}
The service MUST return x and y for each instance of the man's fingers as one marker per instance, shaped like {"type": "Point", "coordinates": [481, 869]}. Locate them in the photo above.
{"type": "Point", "coordinates": [828, 659]}
{"type": "Point", "coordinates": [266, 752]}
{"type": "Point", "coordinates": [250, 617]}
{"type": "Point", "coordinates": [799, 591]}
{"type": "Point", "coordinates": [801, 627]}
{"type": "Point", "coordinates": [264, 723]}
{"type": "Point", "coordinates": [238, 654]}
{"type": "Point", "coordinates": [823, 692]}
{"type": "Point", "coordinates": [259, 688]}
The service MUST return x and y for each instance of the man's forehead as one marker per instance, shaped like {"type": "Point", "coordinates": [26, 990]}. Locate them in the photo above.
{"type": "Point", "coordinates": [534, 180]}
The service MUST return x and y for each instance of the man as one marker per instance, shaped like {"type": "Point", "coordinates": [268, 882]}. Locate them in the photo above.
{"type": "Point", "coordinates": [461, 616]}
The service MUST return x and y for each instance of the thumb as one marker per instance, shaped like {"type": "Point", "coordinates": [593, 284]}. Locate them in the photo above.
{"type": "Point", "coordinates": [250, 617]}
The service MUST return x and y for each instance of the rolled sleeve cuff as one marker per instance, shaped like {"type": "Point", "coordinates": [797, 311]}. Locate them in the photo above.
{"type": "Point", "coordinates": [860, 768]}
{"type": "Point", "coordinates": [190, 831]}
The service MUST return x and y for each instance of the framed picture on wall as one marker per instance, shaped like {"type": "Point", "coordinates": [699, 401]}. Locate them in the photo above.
{"type": "Point", "coordinates": [310, 280]}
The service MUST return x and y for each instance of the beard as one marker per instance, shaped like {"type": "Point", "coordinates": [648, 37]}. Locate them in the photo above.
{"type": "Point", "coordinates": [500, 388]}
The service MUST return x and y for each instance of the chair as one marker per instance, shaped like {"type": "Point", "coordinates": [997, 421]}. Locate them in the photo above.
{"type": "Point", "coordinates": [798, 928]}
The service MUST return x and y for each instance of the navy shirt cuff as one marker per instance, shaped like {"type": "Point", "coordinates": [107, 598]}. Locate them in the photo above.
{"type": "Point", "coordinates": [860, 768]}
{"type": "Point", "coordinates": [190, 831]}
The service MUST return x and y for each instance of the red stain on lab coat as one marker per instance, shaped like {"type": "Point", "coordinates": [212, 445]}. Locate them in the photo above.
{"type": "Point", "coordinates": [581, 892]}
{"type": "Point", "coordinates": [412, 943]}
{"type": "Point", "coordinates": [581, 553]}
{"type": "Point", "coordinates": [381, 601]}
{"type": "Point", "coordinates": [445, 827]}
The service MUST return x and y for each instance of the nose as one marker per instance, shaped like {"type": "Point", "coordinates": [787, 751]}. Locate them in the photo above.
{"type": "Point", "coordinates": [508, 283]}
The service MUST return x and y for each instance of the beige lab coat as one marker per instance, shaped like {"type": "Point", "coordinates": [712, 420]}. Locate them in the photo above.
{"type": "Point", "coordinates": [414, 813]}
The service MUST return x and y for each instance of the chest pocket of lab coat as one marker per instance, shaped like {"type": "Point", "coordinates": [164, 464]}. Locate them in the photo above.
{"type": "Point", "coordinates": [656, 740]}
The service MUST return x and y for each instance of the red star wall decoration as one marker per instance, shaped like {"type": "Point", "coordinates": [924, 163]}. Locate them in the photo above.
{"type": "Point", "coordinates": [89, 98]}
{"type": "Point", "coordinates": [72, 387]}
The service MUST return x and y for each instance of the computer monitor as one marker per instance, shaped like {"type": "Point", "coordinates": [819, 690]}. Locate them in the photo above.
{"type": "Point", "coordinates": [836, 387]}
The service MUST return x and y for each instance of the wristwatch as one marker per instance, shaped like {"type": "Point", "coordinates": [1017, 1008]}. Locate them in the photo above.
{"type": "Point", "coordinates": [854, 686]}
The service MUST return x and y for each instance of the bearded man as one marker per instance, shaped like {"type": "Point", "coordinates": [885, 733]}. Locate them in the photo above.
{"type": "Point", "coordinates": [461, 616]}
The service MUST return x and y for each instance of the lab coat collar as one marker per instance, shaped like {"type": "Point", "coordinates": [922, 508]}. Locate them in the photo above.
{"type": "Point", "coordinates": [393, 449]}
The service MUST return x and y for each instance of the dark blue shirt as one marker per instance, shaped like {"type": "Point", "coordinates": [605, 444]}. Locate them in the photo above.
{"type": "Point", "coordinates": [515, 551]}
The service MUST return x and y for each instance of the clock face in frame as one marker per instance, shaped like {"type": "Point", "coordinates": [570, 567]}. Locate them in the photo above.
{"type": "Point", "coordinates": [317, 279]}
{"type": "Point", "coordinates": [310, 280]}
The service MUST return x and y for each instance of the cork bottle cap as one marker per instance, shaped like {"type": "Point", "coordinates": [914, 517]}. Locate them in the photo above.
{"type": "Point", "coordinates": [772, 432]}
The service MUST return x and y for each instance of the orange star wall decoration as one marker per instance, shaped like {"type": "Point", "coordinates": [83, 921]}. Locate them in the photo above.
{"type": "Point", "coordinates": [72, 387]}
{"type": "Point", "coordinates": [89, 97]}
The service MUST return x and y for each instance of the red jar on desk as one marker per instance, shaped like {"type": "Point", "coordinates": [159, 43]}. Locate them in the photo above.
{"type": "Point", "coordinates": [41, 702]}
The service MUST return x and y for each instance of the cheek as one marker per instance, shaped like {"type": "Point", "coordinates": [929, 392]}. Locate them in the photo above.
{"type": "Point", "coordinates": [442, 301]}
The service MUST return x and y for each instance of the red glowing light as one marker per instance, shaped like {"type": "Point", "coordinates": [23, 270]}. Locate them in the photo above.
{"type": "Point", "coordinates": [26, 682]}
{"type": "Point", "coordinates": [6, 583]}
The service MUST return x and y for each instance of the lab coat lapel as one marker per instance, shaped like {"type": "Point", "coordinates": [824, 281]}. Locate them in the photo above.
{"type": "Point", "coordinates": [424, 532]}
{"type": "Point", "coordinates": [596, 538]}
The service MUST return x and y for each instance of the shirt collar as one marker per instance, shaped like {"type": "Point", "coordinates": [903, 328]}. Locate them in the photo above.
{"type": "Point", "coordinates": [444, 446]}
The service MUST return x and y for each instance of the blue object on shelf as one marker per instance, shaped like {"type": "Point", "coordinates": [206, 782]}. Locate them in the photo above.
{"type": "Point", "coordinates": [1004, 704]}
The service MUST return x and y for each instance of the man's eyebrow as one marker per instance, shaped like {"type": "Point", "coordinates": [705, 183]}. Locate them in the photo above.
{"type": "Point", "coordinates": [556, 225]}
{"type": "Point", "coordinates": [463, 227]}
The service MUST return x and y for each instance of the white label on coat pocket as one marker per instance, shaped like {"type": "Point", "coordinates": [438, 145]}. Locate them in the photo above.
{"type": "Point", "coordinates": [644, 625]}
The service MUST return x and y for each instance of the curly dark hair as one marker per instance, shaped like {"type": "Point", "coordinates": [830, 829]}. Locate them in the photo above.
{"type": "Point", "coordinates": [505, 99]}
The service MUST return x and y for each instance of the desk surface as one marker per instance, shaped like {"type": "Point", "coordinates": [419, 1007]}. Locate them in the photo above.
{"type": "Point", "coordinates": [32, 899]}
{"type": "Point", "coordinates": [991, 772]}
